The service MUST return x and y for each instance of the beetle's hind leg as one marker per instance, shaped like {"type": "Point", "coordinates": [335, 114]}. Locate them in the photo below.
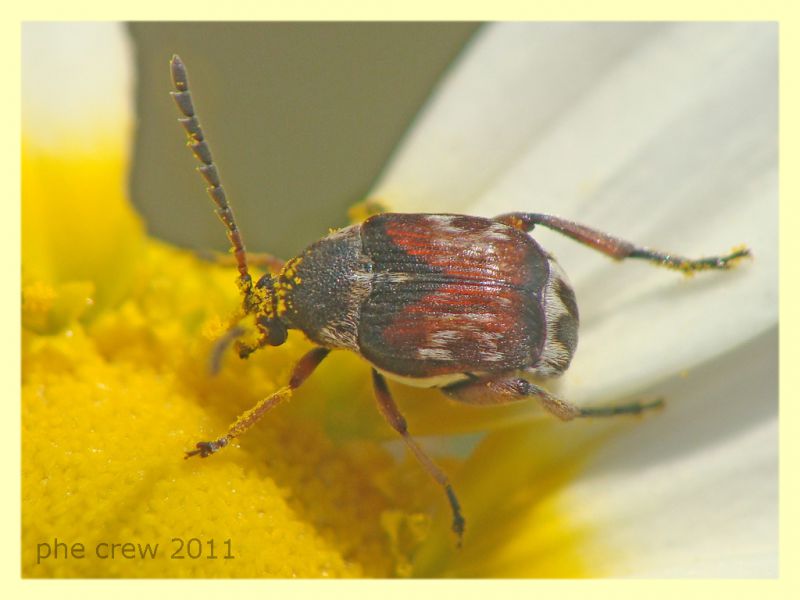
{"type": "Point", "coordinates": [513, 389]}
{"type": "Point", "coordinates": [620, 249]}
{"type": "Point", "coordinates": [392, 414]}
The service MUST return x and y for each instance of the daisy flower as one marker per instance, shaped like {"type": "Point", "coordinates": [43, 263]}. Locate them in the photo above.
{"type": "Point", "coordinates": [664, 134]}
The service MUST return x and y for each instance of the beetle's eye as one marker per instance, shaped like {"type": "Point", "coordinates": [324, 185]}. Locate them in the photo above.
{"type": "Point", "coordinates": [276, 331]}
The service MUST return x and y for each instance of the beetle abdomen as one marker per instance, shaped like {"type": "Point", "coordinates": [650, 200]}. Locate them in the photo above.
{"type": "Point", "coordinates": [561, 316]}
{"type": "Point", "coordinates": [451, 294]}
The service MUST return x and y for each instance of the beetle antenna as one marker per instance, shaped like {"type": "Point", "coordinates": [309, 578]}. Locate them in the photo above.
{"type": "Point", "coordinates": [197, 143]}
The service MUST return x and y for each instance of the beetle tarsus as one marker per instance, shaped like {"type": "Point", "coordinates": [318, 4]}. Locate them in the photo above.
{"type": "Point", "coordinates": [704, 264]}
{"type": "Point", "coordinates": [633, 408]}
{"type": "Point", "coordinates": [206, 449]}
{"type": "Point", "coordinates": [458, 520]}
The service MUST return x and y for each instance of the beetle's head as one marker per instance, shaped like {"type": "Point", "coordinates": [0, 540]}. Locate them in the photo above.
{"type": "Point", "coordinates": [272, 331]}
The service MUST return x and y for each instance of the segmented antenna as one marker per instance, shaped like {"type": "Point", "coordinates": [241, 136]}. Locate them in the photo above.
{"type": "Point", "coordinates": [199, 147]}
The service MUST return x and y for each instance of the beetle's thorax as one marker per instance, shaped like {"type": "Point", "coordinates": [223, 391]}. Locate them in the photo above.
{"type": "Point", "coordinates": [321, 290]}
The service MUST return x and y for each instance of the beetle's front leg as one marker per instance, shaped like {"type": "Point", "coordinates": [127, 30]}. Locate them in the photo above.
{"type": "Point", "coordinates": [500, 390]}
{"type": "Point", "coordinates": [304, 367]}
{"type": "Point", "coordinates": [392, 414]}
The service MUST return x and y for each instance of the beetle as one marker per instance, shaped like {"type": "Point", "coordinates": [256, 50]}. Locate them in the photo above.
{"type": "Point", "coordinates": [470, 305]}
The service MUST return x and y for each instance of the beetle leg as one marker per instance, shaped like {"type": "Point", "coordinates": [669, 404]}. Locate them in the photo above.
{"type": "Point", "coordinates": [512, 389]}
{"type": "Point", "coordinates": [617, 248]}
{"type": "Point", "coordinates": [361, 211]}
{"type": "Point", "coordinates": [304, 367]}
{"type": "Point", "coordinates": [271, 263]}
{"type": "Point", "coordinates": [392, 414]}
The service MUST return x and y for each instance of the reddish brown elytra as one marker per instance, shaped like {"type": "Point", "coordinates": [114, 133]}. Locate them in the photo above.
{"type": "Point", "coordinates": [465, 304]}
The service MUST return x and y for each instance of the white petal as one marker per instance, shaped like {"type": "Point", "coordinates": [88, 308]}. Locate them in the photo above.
{"type": "Point", "coordinates": [514, 81]}
{"type": "Point", "coordinates": [691, 492]}
{"type": "Point", "coordinates": [77, 81]}
{"type": "Point", "coordinates": [663, 134]}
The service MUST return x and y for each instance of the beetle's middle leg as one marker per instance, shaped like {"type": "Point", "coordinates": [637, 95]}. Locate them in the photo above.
{"type": "Point", "coordinates": [512, 389]}
{"type": "Point", "coordinates": [617, 248]}
{"type": "Point", "coordinates": [392, 414]}
{"type": "Point", "coordinates": [361, 211]}
{"type": "Point", "coordinates": [263, 260]}
{"type": "Point", "coordinates": [302, 370]}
